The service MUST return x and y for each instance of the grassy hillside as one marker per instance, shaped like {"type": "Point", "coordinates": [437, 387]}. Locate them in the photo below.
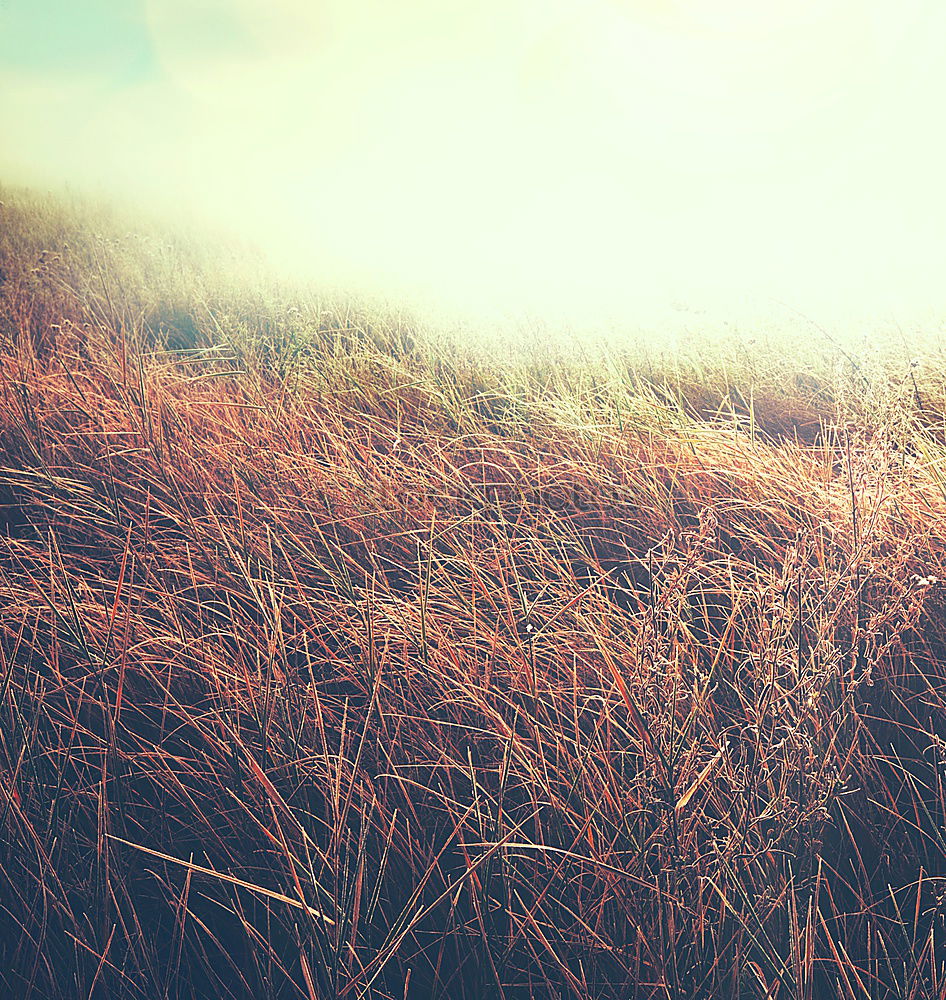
{"type": "Point", "coordinates": [339, 660]}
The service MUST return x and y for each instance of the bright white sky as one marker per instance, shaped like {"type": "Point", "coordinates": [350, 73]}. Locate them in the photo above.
{"type": "Point", "coordinates": [563, 158]}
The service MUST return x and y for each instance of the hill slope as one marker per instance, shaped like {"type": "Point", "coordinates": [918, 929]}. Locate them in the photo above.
{"type": "Point", "coordinates": [340, 662]}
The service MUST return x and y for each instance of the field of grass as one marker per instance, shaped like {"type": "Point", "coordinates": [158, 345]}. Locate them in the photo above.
{"type": "Point", "coordinates": [341, 660]}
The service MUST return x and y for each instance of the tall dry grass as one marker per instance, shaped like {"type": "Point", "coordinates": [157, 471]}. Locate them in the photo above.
{"type": "Point", "coordinates": [340, 664]}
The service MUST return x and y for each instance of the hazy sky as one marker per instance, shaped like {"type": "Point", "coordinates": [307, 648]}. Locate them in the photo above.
{"type": "Point", "coordinates": [580, 157]}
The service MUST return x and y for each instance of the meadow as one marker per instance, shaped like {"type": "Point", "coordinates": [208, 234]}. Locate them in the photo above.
{"type": "Point", "coordinates": [342, 659]}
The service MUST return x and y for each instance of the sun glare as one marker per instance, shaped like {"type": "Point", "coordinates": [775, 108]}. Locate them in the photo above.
{"type": "Point", "coordinates": [560, 159]}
